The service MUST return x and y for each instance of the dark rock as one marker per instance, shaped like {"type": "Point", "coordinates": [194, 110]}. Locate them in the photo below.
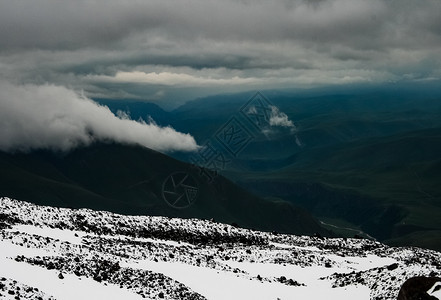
{"type": "Point", "coordinates": [433, 274]}
{"type": "Point", "coordinates": [50, 266]}
{"type": "Point", "coordinates": [392, 266]}
{"type": "Point", "coordinates": [292, 282]}
{"type": "Point", "coordinates": [4, 225]}
{"type": "Point", "coordinates": [416, 288]}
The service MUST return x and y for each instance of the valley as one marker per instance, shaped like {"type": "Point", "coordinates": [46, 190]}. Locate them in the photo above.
{"type": "Point", "coordinates": [368, 156]}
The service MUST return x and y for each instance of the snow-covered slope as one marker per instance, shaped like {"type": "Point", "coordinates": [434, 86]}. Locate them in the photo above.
{"type": "Point", "coordinates": [56, 253]}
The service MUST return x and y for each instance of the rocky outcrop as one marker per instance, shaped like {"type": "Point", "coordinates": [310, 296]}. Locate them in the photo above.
{"type": "Point", "coordinates": [417, 288]}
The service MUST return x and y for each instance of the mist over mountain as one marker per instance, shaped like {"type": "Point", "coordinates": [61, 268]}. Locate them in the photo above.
{"type": "Point", "coordinates": [53, 117]}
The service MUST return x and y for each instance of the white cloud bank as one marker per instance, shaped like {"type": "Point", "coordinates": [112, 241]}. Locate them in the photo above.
{"type": "Point", "coordinates": [54, 117]}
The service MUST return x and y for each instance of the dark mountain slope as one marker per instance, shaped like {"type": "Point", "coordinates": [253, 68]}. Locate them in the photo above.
{"type": "Point", "coordinates": [370, 157]}
{"type": "Point", "coordinates": [387, 186]}
{"type": "Point", "coordinates": [129, 180]}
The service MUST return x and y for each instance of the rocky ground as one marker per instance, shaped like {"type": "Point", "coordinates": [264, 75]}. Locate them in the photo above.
{"type": "Point", "coordinates": [168, 258]}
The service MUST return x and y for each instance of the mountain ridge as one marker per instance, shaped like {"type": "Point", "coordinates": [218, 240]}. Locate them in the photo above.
{"type": "Point", "coordinates": [130, 179]}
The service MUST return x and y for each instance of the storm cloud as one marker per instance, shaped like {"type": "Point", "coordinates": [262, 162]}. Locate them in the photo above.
{"type": "Point", "coordinates": [53, 117]}
{"type": "Point", "coordinates": [217, 46]}
{"type": "Point", "coordinates": [169, 51]}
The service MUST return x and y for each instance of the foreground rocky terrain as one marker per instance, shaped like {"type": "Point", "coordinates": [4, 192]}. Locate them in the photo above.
{"type": "Point", "coordinates": [57, 253]}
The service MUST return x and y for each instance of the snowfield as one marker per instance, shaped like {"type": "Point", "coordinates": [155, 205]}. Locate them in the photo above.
{"type": "Point", "coordinates": [58, 253]}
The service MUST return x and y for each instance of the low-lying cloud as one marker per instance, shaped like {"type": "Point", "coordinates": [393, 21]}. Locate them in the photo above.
{"type": "Point", "coordinates": [54, 117]}
{"type": "Point", "coordinates": [278, 118]}
{"type": "Point", "coordinates": [277, 121]}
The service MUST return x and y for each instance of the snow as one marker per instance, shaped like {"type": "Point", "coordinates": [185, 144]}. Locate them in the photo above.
{"type": "Point", "coordinates": [170, 243]}
{"type": "Point", "coordinates": [99, 260]}
{"type": "Point", "coordinates": [221, 285]}
{"type": "Point", "coordinates": [69, 288]}
{"type": "Point", "coordinates": [362, 264]}
{"type": "Point", "coordinates": [281, 246]}
{"type": "Point", "coordinates": [55, 233]}
{"type": "Point", "coordinates": [435, 290]}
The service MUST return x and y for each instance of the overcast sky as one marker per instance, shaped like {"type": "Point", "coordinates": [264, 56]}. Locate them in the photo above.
{"type": "Point", "coordinates": [170, 51]}
{"type": "Point", "coordinates": [165, 50]}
